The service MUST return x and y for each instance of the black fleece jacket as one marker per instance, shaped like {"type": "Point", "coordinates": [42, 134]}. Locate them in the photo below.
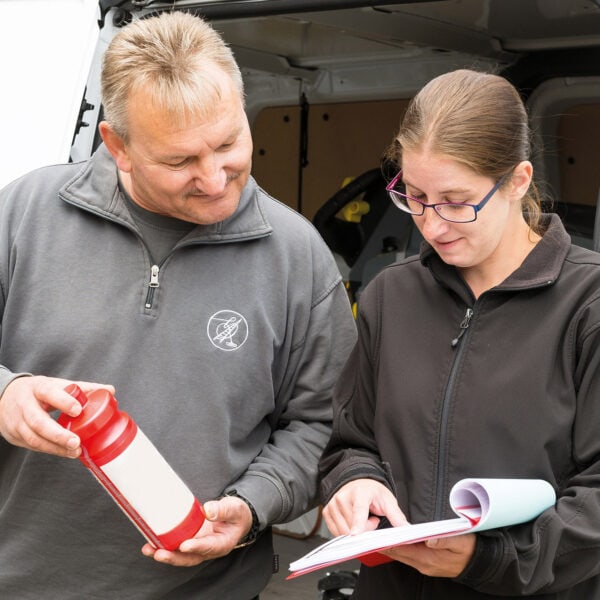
{"type": "Point", "coordinates": [518, 395]}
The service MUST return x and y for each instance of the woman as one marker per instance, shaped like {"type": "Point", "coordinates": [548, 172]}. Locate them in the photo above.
{"type": "Point", "coordinates": [480, 358]}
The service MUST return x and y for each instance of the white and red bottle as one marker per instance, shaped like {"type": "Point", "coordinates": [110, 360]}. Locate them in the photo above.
{"type": "Point", "coordinates": [133, 471]}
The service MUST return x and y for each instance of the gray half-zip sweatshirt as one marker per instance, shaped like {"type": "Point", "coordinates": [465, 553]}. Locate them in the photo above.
{"type": "Point", "coordinates": [225, 354]}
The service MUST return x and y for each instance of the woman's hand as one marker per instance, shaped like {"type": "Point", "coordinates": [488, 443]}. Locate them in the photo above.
{"type": "Point", "coordinates": [358, 506]}
{"type": "Point", "coordinates": [441, 557]}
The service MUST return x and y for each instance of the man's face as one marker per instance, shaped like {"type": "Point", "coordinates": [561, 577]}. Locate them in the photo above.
{"type": "Point", "coordinates": [193, 171]}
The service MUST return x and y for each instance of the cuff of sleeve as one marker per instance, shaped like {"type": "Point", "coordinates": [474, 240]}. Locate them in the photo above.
{"type": "Point", "coordinates": [7, 377]}
{"type": "Point", "coordinates": [343, 474]}
{"type": "Point", "coordinates": [484, 561]}
{"type": "Point", "coordinates": [251, 536]}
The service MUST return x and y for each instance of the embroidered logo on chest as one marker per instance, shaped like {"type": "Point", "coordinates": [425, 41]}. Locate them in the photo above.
{"type": "Point", "coordinates": [227, 330]}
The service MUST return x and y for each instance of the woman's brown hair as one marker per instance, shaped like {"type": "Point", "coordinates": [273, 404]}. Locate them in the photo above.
{"type": "Point", "coordinates": [478, 119]}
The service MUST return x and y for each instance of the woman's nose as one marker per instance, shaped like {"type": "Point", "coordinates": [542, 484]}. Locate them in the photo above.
{"type": "Point", "coordinates": [432, 225]}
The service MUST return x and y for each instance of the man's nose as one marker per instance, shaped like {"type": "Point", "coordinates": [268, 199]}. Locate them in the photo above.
{"type": "Point", "coordinates": [210, 177]}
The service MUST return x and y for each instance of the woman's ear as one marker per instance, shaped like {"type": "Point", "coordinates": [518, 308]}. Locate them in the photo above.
{"type": "Point", "coordinates": [520, 179]}
{"type": "Point", "coordinates": [116, 146]}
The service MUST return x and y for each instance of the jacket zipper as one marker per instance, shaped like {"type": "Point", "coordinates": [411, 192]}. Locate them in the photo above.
{"type": "Point", "coordinates": [443, 434]}
{"type": "Point", "coordinates": [152, 285]}
{"type": "Point", "coordinates": [463, 327]}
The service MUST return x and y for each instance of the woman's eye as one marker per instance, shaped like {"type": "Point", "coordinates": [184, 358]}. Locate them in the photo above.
{"type": "Point", "coordinates": [456, 203]}
{"type": "Point", "coordinates": [416, 195]}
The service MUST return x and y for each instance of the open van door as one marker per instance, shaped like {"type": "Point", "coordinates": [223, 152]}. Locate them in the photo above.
{"type": "Point", "coordinates": [47, 49]}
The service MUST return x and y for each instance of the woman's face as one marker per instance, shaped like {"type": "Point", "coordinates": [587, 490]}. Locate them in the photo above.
{"type": "Point", "coordinates": [434, 178]}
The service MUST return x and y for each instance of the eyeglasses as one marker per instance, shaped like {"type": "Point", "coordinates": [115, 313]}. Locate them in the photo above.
{"type": "Point", "coordinates": [455, 212]}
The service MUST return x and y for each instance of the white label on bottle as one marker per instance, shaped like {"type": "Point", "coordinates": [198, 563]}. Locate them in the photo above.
{"type": "Point", "coordinates": [150, 485]}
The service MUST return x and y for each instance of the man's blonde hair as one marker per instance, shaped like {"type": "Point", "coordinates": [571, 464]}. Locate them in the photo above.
{"type": "Point", "coordinates": [173, 58]}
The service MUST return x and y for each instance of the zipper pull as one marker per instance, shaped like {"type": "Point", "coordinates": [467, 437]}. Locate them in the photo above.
{"type": "Point", "coordinates": [153, 283]}
{"type": "Point", "coordinates": [463, 327]}
{"type": "Point", "coordinates": [154, 276]}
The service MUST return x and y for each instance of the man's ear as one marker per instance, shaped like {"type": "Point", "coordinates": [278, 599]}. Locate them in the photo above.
{"type": "Point", "coordinates": [116, 146]}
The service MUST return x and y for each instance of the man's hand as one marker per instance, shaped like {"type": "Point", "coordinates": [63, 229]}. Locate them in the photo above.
{"type": "Point", "coordinates": [357, 506]}
{"type": "Point", "coordinates": [228, 521]}
{"type": "Point", "coordinates": [442, 557]}
{"type": "Point", "coordinates": [24, 418]}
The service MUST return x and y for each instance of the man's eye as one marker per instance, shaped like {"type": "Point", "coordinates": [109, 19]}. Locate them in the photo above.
{"type": "Point", "coordinates": [178, 165]}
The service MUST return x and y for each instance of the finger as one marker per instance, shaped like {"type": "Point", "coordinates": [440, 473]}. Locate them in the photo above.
{"type": "Point", "coordinates": [51, 394]}
{"type": "Point", "coordinates": [359, 518]}
{"type": "Point", "coordinates": [461, 544]}
{"type": "Point", "coordinates": [211, 510]}
{"type": "Point", "coordinates": [445, 543]}
{"type": "Point", "coordinates": [335, 519]}
{"type": "Point", "coordinates": [209, 546]}
{"type": "Point", "coordinates": [44, 434]}
{"type": "Point", "coordinates": [89, 386]}
{"type": "Point", "coordinates": [177, 559]}
{"type": "Point", "coordinates": [85, 386]}
{"type": "Point", "coordinates": [148, 550]}
{"type": "Point", "coordinates": [395, 515]}
{"type": "Point", "coordinates": [333, 526]}
{"type": "Point", "coordinates": [229, 509]}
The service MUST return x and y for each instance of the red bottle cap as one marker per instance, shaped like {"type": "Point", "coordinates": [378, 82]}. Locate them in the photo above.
{"type": "Point", "coordinates": [99, 408]}
{"type": "Point", "coordinates": [103, 429]}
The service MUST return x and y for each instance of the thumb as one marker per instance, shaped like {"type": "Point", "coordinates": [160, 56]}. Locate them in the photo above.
{"type": "Point", "coordinates": [211, 510]}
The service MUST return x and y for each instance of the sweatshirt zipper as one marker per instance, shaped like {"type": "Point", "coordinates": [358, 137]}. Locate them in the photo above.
{"type": "Point", "coordinates": [152, 285]}
{"type": "Point", "coordinates": [443, 432]}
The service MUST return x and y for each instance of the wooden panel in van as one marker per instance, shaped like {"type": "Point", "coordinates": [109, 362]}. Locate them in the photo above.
{"type": "Point", "coordinates": [344, 140]}
{"type": "Point", "coordinates": [579, 149]}
{"type": "Point", "coordinates": [578, 146]}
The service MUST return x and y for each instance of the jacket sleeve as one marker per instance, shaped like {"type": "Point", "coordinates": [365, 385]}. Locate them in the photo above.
{"type": "Point", "coordinates": [560, 549]}
{"type": "Point", "coordinates": [352, 451]}
{"type": "Point", "coordinates": [281, 482]}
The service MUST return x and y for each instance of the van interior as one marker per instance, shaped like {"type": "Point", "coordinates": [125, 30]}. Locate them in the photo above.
{"type": "Point", "coordinates": [327, 83]}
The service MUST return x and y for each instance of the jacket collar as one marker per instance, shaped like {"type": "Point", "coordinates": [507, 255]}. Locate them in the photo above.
{"type": "Point", "coordinates": [95, 189]}
{"type": "Point", "coordinates": [541, 267]}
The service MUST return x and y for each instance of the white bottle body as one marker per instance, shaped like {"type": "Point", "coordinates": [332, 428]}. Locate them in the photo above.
{"type": "Point", "coordinates": [149, 484]}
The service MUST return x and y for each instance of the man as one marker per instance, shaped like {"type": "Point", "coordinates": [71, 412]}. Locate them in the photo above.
{"type": "Point", "coordinates": [159, 267]}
